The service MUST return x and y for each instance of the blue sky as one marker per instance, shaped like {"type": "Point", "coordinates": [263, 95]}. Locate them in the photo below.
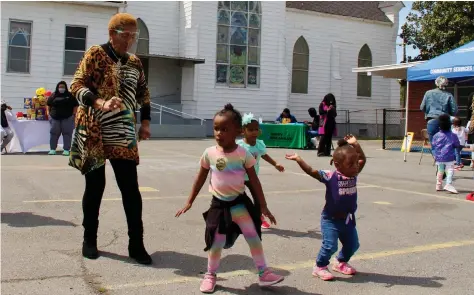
{"type": "Point", "coordinates": [403, 14]}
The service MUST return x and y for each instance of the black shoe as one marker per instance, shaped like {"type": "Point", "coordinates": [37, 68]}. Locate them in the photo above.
{"type": "Point", "coordinates": [136, 250]}
{"type": "Point", "coordinates": [89, 250]}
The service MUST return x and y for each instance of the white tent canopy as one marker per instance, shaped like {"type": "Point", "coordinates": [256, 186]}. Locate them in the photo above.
{"type": "Point", "coordinates": [395, 71]}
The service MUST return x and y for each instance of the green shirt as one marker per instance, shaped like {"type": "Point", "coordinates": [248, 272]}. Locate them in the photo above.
{"type": "Point", "coordinates": [258, 150]}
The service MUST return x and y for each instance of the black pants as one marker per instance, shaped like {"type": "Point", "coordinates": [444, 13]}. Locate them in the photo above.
{"type": "Point", "coordinates": [325, 143]}
{"type": "Point", "coordinates": [127, 180]}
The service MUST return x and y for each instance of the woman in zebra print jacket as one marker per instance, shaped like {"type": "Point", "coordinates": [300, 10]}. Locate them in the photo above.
{"type": "Point", "coordinates": [109, 83]}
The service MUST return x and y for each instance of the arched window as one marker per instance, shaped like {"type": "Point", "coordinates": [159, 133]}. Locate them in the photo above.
{"type": "Point", "coordinates": [364, 81]}
{"type": "Point", "coordinates": [238, 43]}
{"type": "Point", "coordinates": [299, 77]}
{"type": "Point", "coordinates": [143, 38]}
{"type": "Point", "coordinates": [18, 54]}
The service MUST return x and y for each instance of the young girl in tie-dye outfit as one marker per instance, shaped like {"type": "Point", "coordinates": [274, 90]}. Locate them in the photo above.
{"type": "Point", "coordinates": [231, 212]}
{"type": "Point", "coordinates": [251, 130]}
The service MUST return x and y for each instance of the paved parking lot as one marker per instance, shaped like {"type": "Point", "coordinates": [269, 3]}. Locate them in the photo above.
{"type": "Point", "coordinates": [413, 240]}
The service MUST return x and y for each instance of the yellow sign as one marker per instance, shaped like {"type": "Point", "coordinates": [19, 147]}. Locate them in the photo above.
{"type": "Point", "coordinates": [407, 142]}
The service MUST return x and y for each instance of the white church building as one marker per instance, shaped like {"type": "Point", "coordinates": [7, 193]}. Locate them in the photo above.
{"type": "Point", "coordinates": [260, 56]}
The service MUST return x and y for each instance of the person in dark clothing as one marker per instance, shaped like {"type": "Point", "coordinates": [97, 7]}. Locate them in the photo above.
{"type": "Point", "coordinates": [313, 133]}
{"type": "Point", "coordinates": [327, 124]}
{"type": "Point", "coordinates": [62, 108]}
{"type": "Point", "coordinates": [286, 117]}
{"type": "Point", "coordinates": [7, 133]}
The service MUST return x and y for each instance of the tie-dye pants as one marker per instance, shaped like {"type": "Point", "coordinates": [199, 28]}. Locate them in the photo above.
{"type": "Point", "coordinates": [242, 218]}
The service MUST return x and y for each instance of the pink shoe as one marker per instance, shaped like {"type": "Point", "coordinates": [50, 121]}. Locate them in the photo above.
{"type": "Point", "coordinates": [268, 278]}
{"type": "Point", "coordinates": [265, 224]}
{"type": "Point", "coordinates": [208, 284]}
{"type": "Point", "coordinates": [344, 268]}
{"type": "Point", "coordinates": [439, 187]}
{"type": "Point", "coordinates": [323, 273]}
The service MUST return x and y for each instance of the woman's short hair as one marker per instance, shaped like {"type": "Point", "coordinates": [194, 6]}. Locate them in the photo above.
{"type": "Point", "coordinates": [120, 20]}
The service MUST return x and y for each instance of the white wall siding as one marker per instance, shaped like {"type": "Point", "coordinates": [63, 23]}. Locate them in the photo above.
{"type": "Point", "coordinates": [334, 44]}
{"type": "Point", "coordinates": [162, 21]}
{"type": "Point", "coordinates": [49, 22]}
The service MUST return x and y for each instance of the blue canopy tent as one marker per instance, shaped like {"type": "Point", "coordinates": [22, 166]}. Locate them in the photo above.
{"type": "Point", "coordinates": [456, 65]}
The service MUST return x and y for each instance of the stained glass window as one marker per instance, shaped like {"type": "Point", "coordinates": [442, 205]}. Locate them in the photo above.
{"type": "Point", "coordinates": [364, 81]}
{"type": "Point", "coordinates": [238, 43]}
{"type": "Point", "coordinates": [300, 68]}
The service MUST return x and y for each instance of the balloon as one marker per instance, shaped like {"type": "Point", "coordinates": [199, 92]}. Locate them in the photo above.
{"type": "Point", "coordinates": [40, 91]}
{"type": "Point", "coordinates": [48, 93]}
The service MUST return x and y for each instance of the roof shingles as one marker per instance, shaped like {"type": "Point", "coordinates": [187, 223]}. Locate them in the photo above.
{"type": "Point", "coordinates": [359, 9]}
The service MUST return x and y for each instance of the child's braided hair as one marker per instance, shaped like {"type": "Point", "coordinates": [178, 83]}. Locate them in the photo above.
{"type": "Point", "coordinates": [235, 114]}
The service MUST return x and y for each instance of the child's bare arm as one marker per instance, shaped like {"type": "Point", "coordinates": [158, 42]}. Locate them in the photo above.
{"type": "Point", "coordinates": [305, 167]}
{"type": "Point", "coordinates": [272, 162]}
{"type": "Point", "coordinates": [256, 187]}
{"type": "Point", "coordinates": [197, 186]}
{"type": "Point", "coordinates": [353, 141]}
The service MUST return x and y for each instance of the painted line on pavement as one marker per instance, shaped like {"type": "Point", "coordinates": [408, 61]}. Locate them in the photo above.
{"type": "Point", "coordinates": [199, 196]}
{"type": "Point", "coordinates": [382, 203]}
{"type": "Point", "coordinates": [300, 265]}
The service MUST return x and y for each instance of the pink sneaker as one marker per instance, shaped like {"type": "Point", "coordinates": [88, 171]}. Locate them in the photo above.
{"type": "Point", "coordinates": [439, 187]}
{"type": "Point", "coordinates": [208, 284]}
{"type": "Point", "coordinates": [265, 224]}
{"type": "Point", "coordinates": [344, 268]}
{"type": "Point", "coordinates": [323, 273]}
{"type": "Point", "coordinates": [268, 278]}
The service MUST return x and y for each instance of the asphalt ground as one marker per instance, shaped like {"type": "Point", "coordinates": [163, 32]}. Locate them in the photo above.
{"type": "Point", "coordinates": [414, 240]}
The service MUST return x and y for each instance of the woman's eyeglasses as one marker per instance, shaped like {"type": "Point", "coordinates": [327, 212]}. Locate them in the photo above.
{"type": "Point", "coordinates": [128, 34]}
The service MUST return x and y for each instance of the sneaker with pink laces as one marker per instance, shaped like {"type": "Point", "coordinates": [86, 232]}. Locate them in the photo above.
{"type": "Point", "coordinates": [268, 278]}
{"type": "Point", "coordinates": [323, 273]}
{"type": "Point", "coordinates": [344, 268]}
{"type": "Point", "coordinates": [208, 284]}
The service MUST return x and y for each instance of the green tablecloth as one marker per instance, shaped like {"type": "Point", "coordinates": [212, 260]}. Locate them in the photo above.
{"type": "Point", "coordinates": [291, 136]}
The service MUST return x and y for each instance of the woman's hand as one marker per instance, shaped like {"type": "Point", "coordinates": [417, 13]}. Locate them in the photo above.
{"type": "Point", "coordinates": [111, 104]}
{"type": "Point", "coordinates": [183, 210]}
{"type": "Point", "coordinates": [144, 132]}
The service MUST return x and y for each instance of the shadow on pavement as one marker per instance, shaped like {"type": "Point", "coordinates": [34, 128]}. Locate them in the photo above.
{"type": "Point", "coordinates": [192, 265]}
{"type": "Point", "coordinates": [256, 289]}
{"type": "Point", "coordinates": [28, 219]}
{"type": "Point", "coordinates": [286, 233]}
{"type": "Point", "coordinates": [390, 281]}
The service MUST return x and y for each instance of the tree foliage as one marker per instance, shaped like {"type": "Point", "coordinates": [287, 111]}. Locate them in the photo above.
{"type": "Point", "coordinates": [436, 27]}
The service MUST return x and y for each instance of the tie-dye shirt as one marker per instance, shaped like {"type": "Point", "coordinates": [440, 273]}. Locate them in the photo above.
{"type": "Point", "coordinates": [341, 193]}
{"type": "Point", "coordinates": [227, 171]}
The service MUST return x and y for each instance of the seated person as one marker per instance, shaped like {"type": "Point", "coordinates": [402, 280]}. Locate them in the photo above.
{"type": "Point", "coordinates": [286, 117]}
{"type": "Point", "coordinates": [313, 133]}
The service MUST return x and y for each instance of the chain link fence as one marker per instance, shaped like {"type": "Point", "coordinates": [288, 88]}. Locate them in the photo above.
{"type": "Point", "coordinates": [393, 128]}
{"type": "Point", "coordinates": [365, 124]}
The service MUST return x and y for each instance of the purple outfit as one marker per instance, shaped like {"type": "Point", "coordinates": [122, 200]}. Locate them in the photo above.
{"type": "Point", "coordinates": [341, 193]}
{"type": "Point", "coordinates": [337, 219]}
{"type": "Point", "coordinates": [444, 144]}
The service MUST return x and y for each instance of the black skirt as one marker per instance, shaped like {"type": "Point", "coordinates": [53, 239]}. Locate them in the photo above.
{"type": "Point", "coordinates": [218, 217]}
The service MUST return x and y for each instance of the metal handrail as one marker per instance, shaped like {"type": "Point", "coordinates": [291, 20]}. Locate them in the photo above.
{"type": "Point", "coordinates": [173, 112]}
